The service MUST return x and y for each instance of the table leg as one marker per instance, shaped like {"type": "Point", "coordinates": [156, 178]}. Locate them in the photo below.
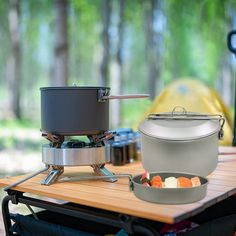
{"type": "Point", "coordinates": [6, 214]}
{"type": "Point", "coordinates": [132, 225]}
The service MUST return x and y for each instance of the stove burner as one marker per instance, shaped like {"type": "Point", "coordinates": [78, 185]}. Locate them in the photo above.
{"type": "Point", "coordinates": [74, 144]}
{"type": "Point", "coordinates": [60, 153]}
{"type": "Point", "coordinates": [94, 140]}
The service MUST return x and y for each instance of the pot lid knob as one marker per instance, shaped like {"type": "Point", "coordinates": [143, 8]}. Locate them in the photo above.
{"type": "Point", "coordinates": [182, 112]}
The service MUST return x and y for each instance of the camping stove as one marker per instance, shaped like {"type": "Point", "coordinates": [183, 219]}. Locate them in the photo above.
{"type": "Point", "coordinates": [63, 151]}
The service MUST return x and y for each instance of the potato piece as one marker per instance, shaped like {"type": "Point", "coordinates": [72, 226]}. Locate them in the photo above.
{"type": "Point", "coordinates": [195, 181]}
{"type": "Point", "coordinates": [171, 182]}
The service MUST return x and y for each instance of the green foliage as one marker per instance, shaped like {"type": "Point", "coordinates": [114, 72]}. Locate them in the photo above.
{"type": "Point", "coordinates": [196, 40]}
{"type": "Point", "coordinates": [194, 44]}
{"type": "Point", "coordinates": [17, 124]}
{"type": "Point", "coordinates": [133, 111]}
{"type": "Point", "coordinates": [26, 145]}
{"type": "Point", "coordinates": [17, 134]}
{"type": "Point", "coordinates": [84, 35]}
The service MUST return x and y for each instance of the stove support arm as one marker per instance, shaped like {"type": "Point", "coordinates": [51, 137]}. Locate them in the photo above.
{"type": "Point", "coordinates": [26, 178]}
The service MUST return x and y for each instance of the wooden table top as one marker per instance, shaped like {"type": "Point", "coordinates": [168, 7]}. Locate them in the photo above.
{"type": "Point", "coordinates": [117, 197]}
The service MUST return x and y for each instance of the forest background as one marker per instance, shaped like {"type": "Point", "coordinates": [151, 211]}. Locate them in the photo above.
{"type": "Point", "coordinates": [132, 46]}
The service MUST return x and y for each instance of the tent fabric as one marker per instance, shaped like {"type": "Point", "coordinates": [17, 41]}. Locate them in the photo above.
{"type": "Point", "coordinates": [194, 96]}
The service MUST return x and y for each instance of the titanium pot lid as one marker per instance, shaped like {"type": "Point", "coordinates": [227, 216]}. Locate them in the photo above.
{"type": "Point", "coordinates": [181, 126]}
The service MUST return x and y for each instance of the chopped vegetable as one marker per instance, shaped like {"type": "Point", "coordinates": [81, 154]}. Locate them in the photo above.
{"type": "Point", "coordinates": [195, 181]}
{"type": "Point", "coordinates": [156, 182]}
{"type": "Point", "coordinates": [145, 178]}
{"type": "Point", "coordinates": [171, 182]}
{"type": "Point", "coordinates": [184, 182]}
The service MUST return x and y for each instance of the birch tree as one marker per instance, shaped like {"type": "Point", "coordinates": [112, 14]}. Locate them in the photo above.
{"type": "Point", "coordinates": [154, 27]}
{"type": "Point", "coordinates": [60, 67]}
{"type": "Point", "coordinates": [106, 18]}
{"type": "Point", "coordinates": [117, 64]}
{"type": "Point", "coordinates": [14, 61]}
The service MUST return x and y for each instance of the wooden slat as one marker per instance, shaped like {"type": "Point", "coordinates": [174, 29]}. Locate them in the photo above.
{"type": "Point", "coordinates": [117, 197]}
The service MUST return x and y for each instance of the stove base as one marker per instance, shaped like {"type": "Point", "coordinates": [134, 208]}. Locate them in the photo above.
{"type": "Point", "coordinates": [74, 156]}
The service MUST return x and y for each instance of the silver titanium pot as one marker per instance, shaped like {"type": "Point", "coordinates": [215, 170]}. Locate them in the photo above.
{"type": "Point", "coordinates": [181, 142]}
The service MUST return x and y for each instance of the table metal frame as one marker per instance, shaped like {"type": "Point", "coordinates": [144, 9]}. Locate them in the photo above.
{"type": "Point", "coordinates": [132, 225]}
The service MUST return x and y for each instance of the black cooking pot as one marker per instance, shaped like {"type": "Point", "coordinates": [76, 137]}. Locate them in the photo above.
{"type": "Point", "coordinates": [77, 110]}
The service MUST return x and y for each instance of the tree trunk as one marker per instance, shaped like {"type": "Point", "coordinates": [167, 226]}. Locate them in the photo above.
{"type": "Point", "coordinates": [60, 67]}
{"type": "Point", "coordinates": [116, 68]}
{"type": "Point", "coordinates": [227, 85]}
{"type": "Point", "coordinates": [225, 80]}
{"type": "Point", "coordinates": [14, 61]}
{"type": "Point", "coordinates": [106, 18]}
{"type": "Point", "coordinates": [153, 42]}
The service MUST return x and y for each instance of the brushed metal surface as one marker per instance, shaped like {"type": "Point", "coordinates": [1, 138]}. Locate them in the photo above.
{"type": "Point", "coordinates": [170, 195]}
{"type": "Point", "coordinates": [74, 156]}
{"type": "Point", "coordinates": [181, 128]}
{"type": "Point", "coordinates": [198, 156]}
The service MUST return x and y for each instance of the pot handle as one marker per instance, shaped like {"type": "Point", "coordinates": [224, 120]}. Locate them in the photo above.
{"type": "Point", "coordinates": [221, 131]}
{"type": "Point", "coordinates": [26, 178]}
{"type": "Point", "coordinates": [221, 120]}
{"type": "Point", "coordinates": [103, 96]}
{"type": "Point", "coordinates": [126, 96]}
{"type": "Point", "coordinates": [93, 177]}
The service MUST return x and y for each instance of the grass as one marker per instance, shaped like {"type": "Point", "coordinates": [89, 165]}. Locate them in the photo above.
{"type": "Point", "coordinates": [19, 135]}
{"type": "Point", "coordinates": [16, 124]}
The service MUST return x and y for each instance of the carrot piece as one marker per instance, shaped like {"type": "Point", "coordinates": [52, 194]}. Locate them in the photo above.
{"type": "Point", "coordinates": [184, 182]}
{"type": "Point", "coordinates": [156, 181]}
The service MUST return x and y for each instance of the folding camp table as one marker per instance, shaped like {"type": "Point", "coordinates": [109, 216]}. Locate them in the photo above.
{"type": "Point", "coordinates": [112, 203]}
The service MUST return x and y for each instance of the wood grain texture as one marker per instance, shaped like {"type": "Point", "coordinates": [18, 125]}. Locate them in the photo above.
{"type": "Point", "coordinates": [117, 197]}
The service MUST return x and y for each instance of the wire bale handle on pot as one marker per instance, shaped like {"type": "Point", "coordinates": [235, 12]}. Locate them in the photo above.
{"type": "Point", "coordinates": [184, 115]}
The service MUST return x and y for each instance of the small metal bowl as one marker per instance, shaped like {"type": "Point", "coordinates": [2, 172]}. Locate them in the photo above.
{"type": "Point", "coordinates": [169, 195]}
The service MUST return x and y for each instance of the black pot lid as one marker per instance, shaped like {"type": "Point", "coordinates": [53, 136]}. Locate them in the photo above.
{"type": "Point", "coordinates": [74, 88]}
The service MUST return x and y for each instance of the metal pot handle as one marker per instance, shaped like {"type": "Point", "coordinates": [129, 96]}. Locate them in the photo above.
{"type": "Point", "coordinates": [129, 176]}
{"type": "Point", "coordinates": [188, 116]}
{"type": "Point", "coordinates": [103, 95]}
{"type": "Point", "coordinates": [26, 178]}
{"type": "Point", "coordinates": [221, 131]}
